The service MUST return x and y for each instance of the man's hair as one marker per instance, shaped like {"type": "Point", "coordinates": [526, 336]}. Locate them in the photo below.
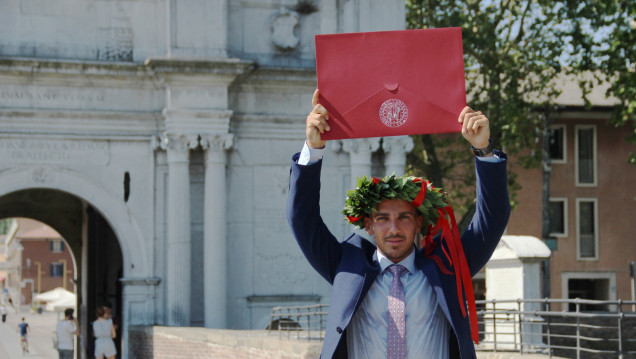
{"type": "Point", "coordinates": [69, 312]}
{"type": "Point", "coordinates": [100, 312]}
{"type": "Point", "coordinates": [108, 304]}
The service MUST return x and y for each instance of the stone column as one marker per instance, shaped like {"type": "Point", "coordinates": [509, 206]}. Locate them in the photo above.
{"type": "Point", "coordinates": [360, 150]}
{"type": "Point", "coordinates": [178, 239]}
{"type": "Point", "coordinates": [395, 149]}
{"type": "Point", "coordinates": [215, 238]}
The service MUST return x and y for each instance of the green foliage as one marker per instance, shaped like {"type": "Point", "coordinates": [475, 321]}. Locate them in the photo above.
{"type": "Point", "coordinates": [4, 225]}
{"type": "Point", "coordinates": [513, 50]}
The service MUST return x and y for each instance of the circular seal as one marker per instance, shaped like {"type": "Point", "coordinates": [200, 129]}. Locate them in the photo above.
{"type": "Point", "coordinates": [393, 113]}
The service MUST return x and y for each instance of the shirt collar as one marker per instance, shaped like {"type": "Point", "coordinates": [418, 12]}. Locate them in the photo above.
{"type": "Point", "coordinates": [408, 262]}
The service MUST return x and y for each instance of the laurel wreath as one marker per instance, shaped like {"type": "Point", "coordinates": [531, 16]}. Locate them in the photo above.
{"type": "Point", "coordinates": [363, 200]}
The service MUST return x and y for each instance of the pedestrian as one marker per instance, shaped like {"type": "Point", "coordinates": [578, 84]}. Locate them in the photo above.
{"type": "Point", "coordinates": [104, 333]}
{"type": "Point", "coordinates": [389, 299]}
{"type": "Point", "coordinates": [66, 329]}
{"type": "Point", "coordinates": [108, 314]}
{"type": "Point", "coordinates": [23, 329]}
{"type": "Point", "coordinates": [3, 311]}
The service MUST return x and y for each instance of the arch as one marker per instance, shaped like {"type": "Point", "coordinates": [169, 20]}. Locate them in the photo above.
{"type": "Point", "coordinates": [111, 207]}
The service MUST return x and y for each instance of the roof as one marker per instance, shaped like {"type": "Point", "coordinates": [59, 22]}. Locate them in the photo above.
{"type": "Point", "coordinates": [517, 247]}
{"type": "Point", "coordinates": [41, 232]}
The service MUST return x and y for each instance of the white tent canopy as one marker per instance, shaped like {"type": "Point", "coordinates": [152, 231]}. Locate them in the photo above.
{"type": "Point", "coordinates": [58, 299]}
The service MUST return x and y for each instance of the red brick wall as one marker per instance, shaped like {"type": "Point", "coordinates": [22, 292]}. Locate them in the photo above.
{"type": "Point", "coordinates": [40, 251]}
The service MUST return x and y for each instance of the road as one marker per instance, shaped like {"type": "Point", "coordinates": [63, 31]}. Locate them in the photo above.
{"type": "Point", "coordinates": [41, 334]}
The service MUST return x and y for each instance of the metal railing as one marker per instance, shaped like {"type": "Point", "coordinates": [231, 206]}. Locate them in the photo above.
{"type": "Point", "coordinates": [301, 322]}
{"type": "Point", "coordinates": [581, 329]}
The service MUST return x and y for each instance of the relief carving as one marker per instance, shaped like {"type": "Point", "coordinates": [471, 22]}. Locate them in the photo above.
{"type": "Point", "coordinates": [42, 175]}
{"type": "Point", "coordinates": [283, 28]}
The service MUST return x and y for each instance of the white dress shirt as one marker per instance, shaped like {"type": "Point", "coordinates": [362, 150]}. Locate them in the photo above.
{"type": "Point", "coordinates": [427, 330]}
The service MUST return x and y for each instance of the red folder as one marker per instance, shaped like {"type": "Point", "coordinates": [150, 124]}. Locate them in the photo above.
{"type": "Point", "coordinates": [391, 83]}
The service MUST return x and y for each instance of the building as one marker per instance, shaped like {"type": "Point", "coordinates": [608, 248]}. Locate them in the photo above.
{"type": "Point", "coordinates": [155, 137]}
{"type": "Point", "coordinates": [10, 256]}
{"type": "Point", "coordinates": [592, 202]}
{"type": "Point", "coordinates": [46, 261]}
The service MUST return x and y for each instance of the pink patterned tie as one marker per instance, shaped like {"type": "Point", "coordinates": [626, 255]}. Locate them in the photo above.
{"type": "Point", "coordinates": [396, 335]}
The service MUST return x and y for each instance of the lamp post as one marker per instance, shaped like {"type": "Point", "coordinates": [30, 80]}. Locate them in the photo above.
{"type": "Point", "coordinates": [39, 276]}
{"type": "Point", "coordinates": [63, 273]}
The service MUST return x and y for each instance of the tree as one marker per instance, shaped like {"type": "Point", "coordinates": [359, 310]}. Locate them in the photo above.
{"type": "Point", "coordinates": [513, 52]}
{"type": "Point", "coordinates": [4, 225]}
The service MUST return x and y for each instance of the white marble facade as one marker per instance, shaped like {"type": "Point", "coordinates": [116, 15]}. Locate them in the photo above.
{"type": "Point", "coordinates": [202, 103]}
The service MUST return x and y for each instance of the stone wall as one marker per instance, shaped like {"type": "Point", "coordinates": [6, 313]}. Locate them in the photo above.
{"type": "Point", "coordinates": [175, 343]}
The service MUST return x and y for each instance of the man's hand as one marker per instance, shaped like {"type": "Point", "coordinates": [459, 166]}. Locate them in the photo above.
{"type": "Point", "coordinates": [316, 124]}
{"type": "Point", "coordinates": [475, 127]}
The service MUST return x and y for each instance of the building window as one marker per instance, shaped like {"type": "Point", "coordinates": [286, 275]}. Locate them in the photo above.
{"type": "Point", "coordinates": [587, 224]}
{"type": "Point", "coordinates": [586, 155]}
{"type": "Point", "coordinates": [57, 246]}
{"type": "Point", "coordinates": [558, 217]}
{"type": "Point", "coordinates": [57, 269]}
{"type": "Point", "coordinates": [558, 144]}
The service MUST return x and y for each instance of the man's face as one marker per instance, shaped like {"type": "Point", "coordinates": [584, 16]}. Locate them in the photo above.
{"type": "Point", "coordinates": [394, 226]}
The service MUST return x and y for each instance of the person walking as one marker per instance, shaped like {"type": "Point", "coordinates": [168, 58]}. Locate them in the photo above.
{"type": "Point", "coordinates": [3, 311]}
{"type": "Point", "coordinates": [66, 329]}
{"type": "Point", "coordinates": [104, 333]}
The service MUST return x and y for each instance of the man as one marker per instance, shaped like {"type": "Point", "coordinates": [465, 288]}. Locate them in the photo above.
{"type": "Point", "coordinates": [66, 329]}
{"type": "Point", "coordinates": [391, 300]}
{"type": "Point", "coordinates": [3, 311]}
{"type": "Point", "coordinates": [23, 328]}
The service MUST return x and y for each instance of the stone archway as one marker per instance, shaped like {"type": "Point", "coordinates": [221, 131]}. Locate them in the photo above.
{"type": "Point", "coordinates": [100, 231]}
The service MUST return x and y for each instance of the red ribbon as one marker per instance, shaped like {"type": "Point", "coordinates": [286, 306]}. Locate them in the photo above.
{"type": "Point", "coordinates": [457, 260]}
{"type": "Point", "coordinates": [419, 199]}
{"type": "Point", "coordinates": [354, 219]}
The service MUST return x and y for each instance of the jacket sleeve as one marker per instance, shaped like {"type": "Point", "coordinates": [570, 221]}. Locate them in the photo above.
{"type": "Point", "coordinates": [491, 214]}
{"type": "Point", "coordinates": [319, 246]}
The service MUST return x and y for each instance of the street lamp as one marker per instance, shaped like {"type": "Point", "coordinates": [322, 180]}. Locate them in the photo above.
{"type": "Point", "coordinates": [63, 273]}
{"type": "Point", "coordinates": [39, 276]}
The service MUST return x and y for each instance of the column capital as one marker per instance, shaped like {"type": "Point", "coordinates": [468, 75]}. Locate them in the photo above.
{"type": "Point", "coordinates": [361, 145]}
{"type": "Point", "coordinates": [335, 145]}
{"type": "Point", "coordinates": [395, 149]}
{"type": "Point", "coordinates": [399, 144]}
{"type": "Point", "coordinates": [217, 142]}
{"type": "Point", "coordinates": [179, 144]}
{"type": "Point", "coordinates": [215, 146]}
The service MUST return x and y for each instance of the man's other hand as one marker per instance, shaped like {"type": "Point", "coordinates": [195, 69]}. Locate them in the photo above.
{"type": "Point", "coordinates": [475, 127]}
{"type": "Point", "coordinates": [316, 123]}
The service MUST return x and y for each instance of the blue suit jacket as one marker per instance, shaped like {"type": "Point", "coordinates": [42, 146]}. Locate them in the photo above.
{"type": "Point", "coordinates": [350, 268]}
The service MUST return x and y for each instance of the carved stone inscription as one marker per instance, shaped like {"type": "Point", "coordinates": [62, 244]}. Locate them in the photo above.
{"type": "Point", "coordinates": [29, 151]}
{"type": "Point", "coordinates": [48, 98]}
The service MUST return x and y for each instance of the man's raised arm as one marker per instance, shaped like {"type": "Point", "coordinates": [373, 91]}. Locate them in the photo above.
{"type": "Point", "coordinates": [319, 246]}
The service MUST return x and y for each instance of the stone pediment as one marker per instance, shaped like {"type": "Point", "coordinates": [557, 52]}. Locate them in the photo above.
{"type": "Point", "coordinates": [519, 247]}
